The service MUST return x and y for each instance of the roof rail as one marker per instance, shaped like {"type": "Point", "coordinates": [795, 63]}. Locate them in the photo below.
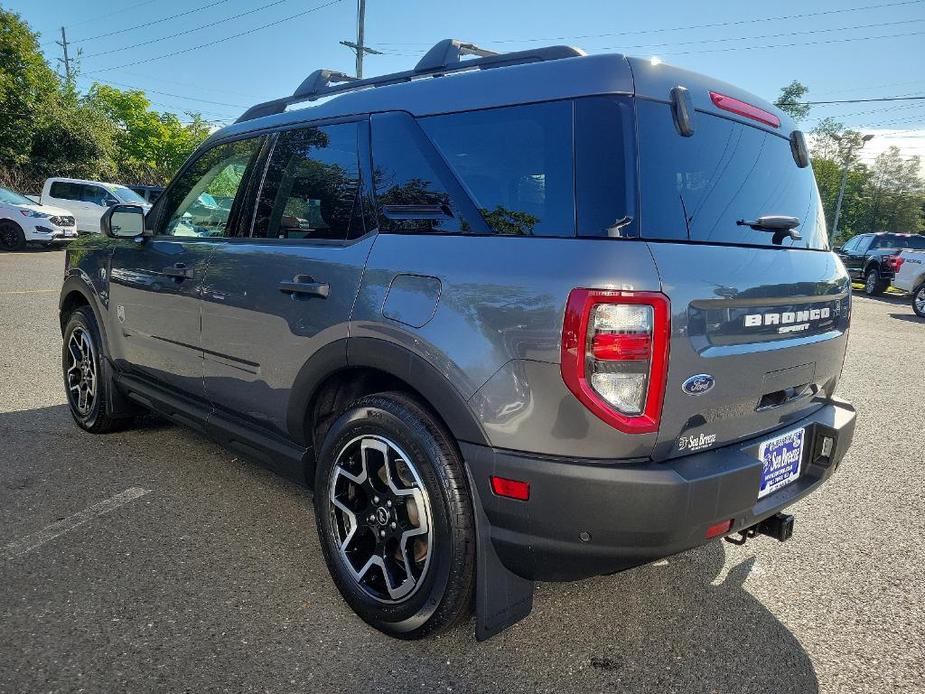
{"type": "Point", "coordinates": [445, 57]}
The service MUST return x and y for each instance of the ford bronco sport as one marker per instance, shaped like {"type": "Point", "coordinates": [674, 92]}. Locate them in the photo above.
{"type": "Point", "coordinates": [513, 317]}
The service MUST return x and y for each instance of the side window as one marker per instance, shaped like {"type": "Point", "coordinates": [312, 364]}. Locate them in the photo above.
{"type": "Point", "coordinates": [95, 195]}
{"type": "Point", "coordinates": [312, 186]}
{"type": "Point", "coordinates": [849, 245]}
{"type": "Point", "coordinates": [516, 163]}
{"type": "Point", "coordinates": [200, 201]}
{"type": "Point", "coordinates": [863, 244]}
{"type": "Point", "coordinates": [64, 191]}
{"type": "Point", "coordinates": [414, 190]}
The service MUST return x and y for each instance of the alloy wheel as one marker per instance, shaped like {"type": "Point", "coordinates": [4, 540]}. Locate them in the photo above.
{"type": "Point", "coordinates": [870, 285]}
{"type": "Point", "coordinates": [8, 237]}
{"type": "Point", "coordinates": [919, 300]}
{"type": "Point", "coordinates": [81, 374]}
{"type": "Point", "coordinates": [381, 516]}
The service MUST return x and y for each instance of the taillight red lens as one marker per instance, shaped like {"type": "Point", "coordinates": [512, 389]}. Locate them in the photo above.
{"type": "Point", "coordinates": [896, 262]}
{"type": "Point", "coordinates": [741, 108]}
{"type": "Point", "coordinates": [616, 346]}
{"type": "Point", "coordinates": [615, 355]}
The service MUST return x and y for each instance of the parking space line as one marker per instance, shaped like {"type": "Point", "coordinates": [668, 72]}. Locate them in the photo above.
{"type": "Point", "coordinates": [31, 291]}
{"type": "Point", "coordinates": [58, 528]}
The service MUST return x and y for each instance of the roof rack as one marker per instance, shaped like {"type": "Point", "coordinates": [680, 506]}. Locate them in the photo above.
{"type": "Point", "coordinates": [445, 57]}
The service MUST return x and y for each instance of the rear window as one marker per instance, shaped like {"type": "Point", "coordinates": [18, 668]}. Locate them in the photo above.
{"type": "Point", "coordinates": [696, 188]}
{"type": "Point", "coordinates": [899, 241]}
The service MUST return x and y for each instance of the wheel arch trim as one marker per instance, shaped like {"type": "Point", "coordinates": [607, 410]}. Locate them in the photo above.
{"type": "Point", "coordinates": [393, 360]}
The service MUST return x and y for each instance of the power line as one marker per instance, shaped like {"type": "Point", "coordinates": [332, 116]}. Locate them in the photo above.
{"type": "Point", "coordinates": [760, 36]}
{"type": "Point", "coordinates": [110, 14]}
{"type": "Point", "coordinates": [189, 31]}
{"type": "Point", "coordinates": [917, 97]}
{"type": "Point", "coordinates": [688, 26]}
{"type": "Point", "coordinates": [222, 40]}
{"type": "Point", "coordinates": [798, 44]}
{"type": "Point", "coordinates": [153, 22]}
{"type": "Point", "coordinates": [176, 96]}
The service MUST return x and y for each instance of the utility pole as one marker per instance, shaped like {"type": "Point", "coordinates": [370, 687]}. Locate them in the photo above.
{"type": "Point", "coordinates": [359, 47]}
{"type": "Point", "coordinates": [844, 181]}
{"type": "Point", "coordinates": [67, 60]}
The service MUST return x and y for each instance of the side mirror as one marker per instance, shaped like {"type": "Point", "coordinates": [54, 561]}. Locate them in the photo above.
{"type": "Point", "coordinates": [123, 221]}
{"type": "Point", "coordinates": [837, 249]}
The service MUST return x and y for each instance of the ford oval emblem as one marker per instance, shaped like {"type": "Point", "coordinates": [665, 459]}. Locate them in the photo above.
{"type": "Point", "coordinates": [698, 384]}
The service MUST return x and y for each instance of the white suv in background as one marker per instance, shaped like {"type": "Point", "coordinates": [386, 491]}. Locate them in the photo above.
{"type": "Point", "coordinates": [88, 200]}
{"type": "Point", "coordinates": [23, 221]}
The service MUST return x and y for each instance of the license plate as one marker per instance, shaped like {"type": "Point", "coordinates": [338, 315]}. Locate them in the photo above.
{"type": "Point", "coordinates": [781, 456]}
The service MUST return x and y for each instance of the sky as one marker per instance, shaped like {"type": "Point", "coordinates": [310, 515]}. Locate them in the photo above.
{"type": "Point", "coordinates": [853, 49]}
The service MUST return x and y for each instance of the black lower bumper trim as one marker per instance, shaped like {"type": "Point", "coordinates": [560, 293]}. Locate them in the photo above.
{"type": "Point", "coordinates": [587, 519]}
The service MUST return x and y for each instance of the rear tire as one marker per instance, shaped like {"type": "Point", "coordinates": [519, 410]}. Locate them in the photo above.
{"type": "Point", "coordinates": [918, 300]}
{"type": "Point", "coordinates": [394, 517]}
{"type": "Point", "coordinates": [11, 236]}
{"type": "Point", "coordinates": [87, 384]}
{"type": "Point", "coordinates": [873, 285]}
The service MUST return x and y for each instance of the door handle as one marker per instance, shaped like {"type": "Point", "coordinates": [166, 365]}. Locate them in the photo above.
{"type": "Point", "coordinates": [178, 271]}
{"type": "Point", "coordinates": [306, 286]}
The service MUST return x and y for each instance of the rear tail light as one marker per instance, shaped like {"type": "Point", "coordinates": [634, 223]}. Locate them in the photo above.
{"type": "Point", "coordinates": [895, 262]}
{"type": "Point", "coordinates": [741, 108]}
{"type": "Point", "coordinates": [615, 355]}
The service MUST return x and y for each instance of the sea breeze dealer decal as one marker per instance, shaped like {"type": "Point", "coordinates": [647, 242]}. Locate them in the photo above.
{"type": "Point", "coordinates": [696, 442]}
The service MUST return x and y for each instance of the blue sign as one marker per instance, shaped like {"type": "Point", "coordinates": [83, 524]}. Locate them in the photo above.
{"type": "Point", "coordinates": [699, 384]}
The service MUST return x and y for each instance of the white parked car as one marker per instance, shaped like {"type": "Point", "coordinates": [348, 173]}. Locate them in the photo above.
{"type": "Point", "coordinates": [23, 221]}
{"type": "Point", "coordinates": [910, 277]}
{"type": "Point", "coordinates": [88, 200]}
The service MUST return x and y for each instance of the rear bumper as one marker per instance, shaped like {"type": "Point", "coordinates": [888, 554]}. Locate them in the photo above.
{"type": "Point", "coordinates": [584, 519]}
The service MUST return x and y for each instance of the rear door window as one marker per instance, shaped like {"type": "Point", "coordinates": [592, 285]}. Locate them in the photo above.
{"type": "Point", "coordinates": [697, 188]}
{"type": "Point", "coordinates": [312, 186]}
{"type": "Point", "coordinates": [516, 164]}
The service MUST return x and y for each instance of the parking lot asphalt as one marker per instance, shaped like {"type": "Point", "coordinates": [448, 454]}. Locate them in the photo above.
{"type": "Point", "coordinates": [155, 560]}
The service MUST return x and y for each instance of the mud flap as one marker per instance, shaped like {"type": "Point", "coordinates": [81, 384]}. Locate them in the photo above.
{"type": "Point", "coordinates": [502, 598]}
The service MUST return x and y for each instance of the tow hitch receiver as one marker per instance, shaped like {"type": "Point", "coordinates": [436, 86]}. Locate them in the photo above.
{"type": "Point", "coordinates": [779, 526]}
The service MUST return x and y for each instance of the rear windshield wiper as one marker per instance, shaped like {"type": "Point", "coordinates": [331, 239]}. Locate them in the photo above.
{"type": "Point", "coordinates": [782, 227]}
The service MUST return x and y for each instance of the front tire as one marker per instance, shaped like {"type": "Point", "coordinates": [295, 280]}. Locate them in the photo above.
{"type": "Point", "coordinates": [918, 300]}
{"type": "Point", "coordinates": [87, 384]}
{"type": "Point", "coordinates": [394, 517]}
{"type": "Point", "coordinates": [873, 285]}
{"type": "Point", "coordinates": [11, 236]}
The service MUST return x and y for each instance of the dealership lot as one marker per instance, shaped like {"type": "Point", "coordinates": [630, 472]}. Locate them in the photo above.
{"type": "Point", "coordinates": [154, 559]}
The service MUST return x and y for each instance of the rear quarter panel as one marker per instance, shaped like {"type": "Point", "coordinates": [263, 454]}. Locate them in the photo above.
{"type": "Point", "coordinates": [495, 331]}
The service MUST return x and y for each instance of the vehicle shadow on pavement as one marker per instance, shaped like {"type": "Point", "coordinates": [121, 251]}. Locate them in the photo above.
{"type": "Point", "coordinates": [909, 317]}
{"type": "Point", "coordinates": [223, 562]}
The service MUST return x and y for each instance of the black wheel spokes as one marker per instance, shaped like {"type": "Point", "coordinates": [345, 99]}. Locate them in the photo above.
{"type": "Point", "coordinates": [381, 515]}
{"type": "Point", "coordinates": [81, 374]}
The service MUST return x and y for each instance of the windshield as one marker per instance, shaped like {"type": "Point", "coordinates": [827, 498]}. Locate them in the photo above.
{"type": "Point", "coordinates": [11, 198]}
{"type": "Point", "coordinates": [126, 194]}
{"type": "Point", "coordinates": [697, 188]}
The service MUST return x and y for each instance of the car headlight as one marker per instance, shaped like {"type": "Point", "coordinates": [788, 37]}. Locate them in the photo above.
{"type": "Point", "coordinates": [34, 213]}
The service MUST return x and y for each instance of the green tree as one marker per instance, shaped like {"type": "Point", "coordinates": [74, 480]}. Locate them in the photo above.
{"type": "Point", "coordinates": [896, 194]}
{"type": "Point", "coordinates": [150, 146]}
{"type": "Point", "coordinates": [789, 99]}
{"type": "Point", "coordinates": [27, 86]}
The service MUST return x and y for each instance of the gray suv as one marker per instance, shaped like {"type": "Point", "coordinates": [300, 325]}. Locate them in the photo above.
{"type": "Point", "coordinates": [513, 317]}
